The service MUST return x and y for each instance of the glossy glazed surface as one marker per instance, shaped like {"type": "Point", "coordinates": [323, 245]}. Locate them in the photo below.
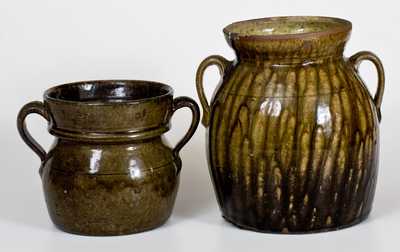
{"type": "Point", "coordinates": [109, 171]}
{"type": "Point", "coordinates": [293, 138]}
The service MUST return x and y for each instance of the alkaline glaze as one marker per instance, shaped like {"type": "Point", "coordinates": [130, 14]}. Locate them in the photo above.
{"type": "Point", "coordinates": [293, 138]}
{"type": "Point", "coordinates": [110, 171]}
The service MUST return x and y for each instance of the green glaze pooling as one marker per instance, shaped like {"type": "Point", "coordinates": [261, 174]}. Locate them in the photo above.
{"type": "Point", "coordinates": [110, 170]}
{"type": "Point", "coordinates": [293, 139]}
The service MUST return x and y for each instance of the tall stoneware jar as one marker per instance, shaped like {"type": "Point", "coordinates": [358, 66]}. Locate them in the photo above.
{"type": "Point", "coordinates": [292, 130]}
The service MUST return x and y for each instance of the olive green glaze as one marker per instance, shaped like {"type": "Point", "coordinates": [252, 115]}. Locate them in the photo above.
{"type": "Point", "coordinates": [293, 137]}
{"type": "Point", "coordinates": [110, 171]}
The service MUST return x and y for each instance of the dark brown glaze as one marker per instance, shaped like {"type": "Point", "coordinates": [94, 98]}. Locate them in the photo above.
{"type": "Point", "coordinates": [292, 131]}
{"type": "Point", "coordinates": [110, 171]}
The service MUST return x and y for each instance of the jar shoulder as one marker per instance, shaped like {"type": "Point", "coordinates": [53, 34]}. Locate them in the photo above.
{"type": "Point", "coordinates": [119, 158]}
{"type": "Point", "coordinates": [284, 80]}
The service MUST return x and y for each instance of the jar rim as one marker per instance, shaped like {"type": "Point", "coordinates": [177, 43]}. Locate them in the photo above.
{"type": "Point", "coordinates": [287, 27]}
{"type": "Point", "coordinates": [107, 92]}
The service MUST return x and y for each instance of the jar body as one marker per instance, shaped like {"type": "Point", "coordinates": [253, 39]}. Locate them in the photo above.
{"type": "Point", "coordinates": [293, 146]}
{"type": "Point", "coordinates": [109, 189]}
{"type": "Point", "coordinates": [110, 170]}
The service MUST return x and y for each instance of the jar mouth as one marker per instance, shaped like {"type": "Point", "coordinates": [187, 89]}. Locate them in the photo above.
{"type": "Point", "coordinates": [277, 28]}
{"type": "Point", "coordinates": [108, 92]}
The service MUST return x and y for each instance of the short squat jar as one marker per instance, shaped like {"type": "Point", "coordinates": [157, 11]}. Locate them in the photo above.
{"type": "Point", "coordinates": [110, 170]}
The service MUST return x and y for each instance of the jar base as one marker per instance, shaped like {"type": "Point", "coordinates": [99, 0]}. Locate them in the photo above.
{"type": "Point", "coordinates": [311, 231]}
{"type": "Point", "coordinates": [109, 233]}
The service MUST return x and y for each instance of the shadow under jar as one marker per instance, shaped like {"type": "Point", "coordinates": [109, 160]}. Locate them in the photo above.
{"type": "Point", "coordinates": [293, 137]}
{"type": "Point", "coordinates": [110, 170]}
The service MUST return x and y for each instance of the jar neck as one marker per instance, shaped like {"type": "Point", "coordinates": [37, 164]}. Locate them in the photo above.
{"type": "Point", "coordinates": [290, 56]}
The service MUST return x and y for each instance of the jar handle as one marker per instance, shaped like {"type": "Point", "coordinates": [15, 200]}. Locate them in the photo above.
{"type": "Point", "coordinates": [36, 107]}
{"type": "Point", "coordinates": [222, 65]}
{"type": "Point", "coordinates": [355, 61]}
{"type": "Point", "coordinates": [178, 103]}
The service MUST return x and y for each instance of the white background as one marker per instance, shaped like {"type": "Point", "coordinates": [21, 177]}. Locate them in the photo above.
{"type": "Point", "coordinates": [43, 43]}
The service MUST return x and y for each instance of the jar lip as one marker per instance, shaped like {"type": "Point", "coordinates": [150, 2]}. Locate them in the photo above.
{"type": "Point", "coordinates": [287, 27]}
{"type": "Point", "coordinates": [107, 92]}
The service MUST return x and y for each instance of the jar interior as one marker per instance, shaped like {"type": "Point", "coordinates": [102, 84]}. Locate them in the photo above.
{"type": "Point", "coordinates": [108, 91]}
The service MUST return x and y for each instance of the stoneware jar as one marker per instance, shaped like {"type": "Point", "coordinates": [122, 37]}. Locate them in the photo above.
{"type": "Point", "coordinates": [110, 170]}
{"type": "Point", "coordinates": [293, 138]}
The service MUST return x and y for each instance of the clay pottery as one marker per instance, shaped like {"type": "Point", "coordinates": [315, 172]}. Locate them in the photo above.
{"type": "Point", "coordinates": [292, 130]}
{"type": "Point", "coordinates": [110, 171]}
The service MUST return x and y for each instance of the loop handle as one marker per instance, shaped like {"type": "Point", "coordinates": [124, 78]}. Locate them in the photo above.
{"type": "Point", "coordinates": [178, 103]}
{"type": "Point", "coordinates": [36, 107]}
{"type": "Point", "coordinates": [355, 61]}
{"type": "Point", "coordinates": [222, 65]}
